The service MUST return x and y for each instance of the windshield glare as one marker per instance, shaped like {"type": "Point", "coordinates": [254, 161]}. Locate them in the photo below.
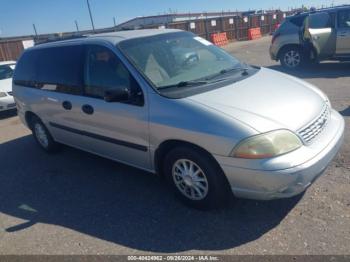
{"type": "Point", "coordinates": [169, 59]}
{"type": "Point", "coordinates": [6, 71]}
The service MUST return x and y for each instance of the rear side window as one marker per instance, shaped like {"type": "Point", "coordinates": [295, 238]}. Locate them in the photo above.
{"type": "Point", "coordinates": [320, 20]}
{"type": "Point", "coordinates": [298, 20]}
{"type": "Point", "coordinates": [25, 69]}
{"type": "Point", "coordinates": [61, 69]}
{"type": "Point", "coordinates": [58, 69]}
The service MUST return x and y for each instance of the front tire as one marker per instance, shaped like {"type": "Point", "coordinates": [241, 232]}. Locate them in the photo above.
{"type": "Point", "coordinates": [42, 136]}
{"type": "Point", "coordinates": [196, 179]}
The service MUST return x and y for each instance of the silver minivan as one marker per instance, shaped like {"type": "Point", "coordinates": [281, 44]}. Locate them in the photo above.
{"type": "Point", "coordinates": [172, 103]}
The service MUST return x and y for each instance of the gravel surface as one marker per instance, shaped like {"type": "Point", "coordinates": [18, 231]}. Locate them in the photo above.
{"type": "Point", "coordinates": [77, 203]}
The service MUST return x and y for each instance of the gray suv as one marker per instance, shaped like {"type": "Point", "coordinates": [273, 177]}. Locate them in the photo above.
{"type": "Point", "coordinates": [313, 37]}
{"type": "Point", "coordinates": [172, 103]}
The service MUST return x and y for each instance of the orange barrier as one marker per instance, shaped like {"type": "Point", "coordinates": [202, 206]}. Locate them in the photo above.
{"type": "Point", "coordinates": [254, 33]}
{"type": "Point", "coordinates": [219, 39]}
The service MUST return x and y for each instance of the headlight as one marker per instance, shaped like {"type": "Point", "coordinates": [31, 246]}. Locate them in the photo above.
{"type": "Point", "coordinates": [267, 145]}
{"type": "Point", "coordinates": [2, 94]}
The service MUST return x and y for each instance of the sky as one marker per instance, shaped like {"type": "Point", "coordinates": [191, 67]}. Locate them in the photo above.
{"type": "Point", "coordinates": [53, 16]}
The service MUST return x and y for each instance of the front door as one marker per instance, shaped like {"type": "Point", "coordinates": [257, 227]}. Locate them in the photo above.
{"type": "Point", "coordinates": [343, 34]}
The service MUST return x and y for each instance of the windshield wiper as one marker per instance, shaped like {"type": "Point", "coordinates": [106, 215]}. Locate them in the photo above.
{"type": "Point", "coordinates": [225, 71]}
{"type": "Point", "coordinates": [229, 70]}
{"type": "Point", "coordinates": [185, 83]}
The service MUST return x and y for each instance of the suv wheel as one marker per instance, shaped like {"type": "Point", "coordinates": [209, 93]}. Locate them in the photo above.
{"type": "Point", "coordinates": [292, 57]}
{"type": "Point", "coordinates": [196, 180]}
{"type": "Point", "coordinates": [42, 136]}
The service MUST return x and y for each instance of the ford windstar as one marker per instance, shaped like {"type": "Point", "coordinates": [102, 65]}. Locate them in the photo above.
{"type": "Point", "coordinates": [172, 103]}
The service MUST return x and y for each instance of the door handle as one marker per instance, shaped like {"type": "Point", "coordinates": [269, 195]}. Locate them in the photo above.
{"type": "Point", "coordinates": [87, 109]}
{"type": "Point", "coordinates": [67, 105]}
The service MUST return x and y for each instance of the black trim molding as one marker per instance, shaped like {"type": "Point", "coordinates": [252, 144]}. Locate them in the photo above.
{"type": "Point", "coordinates": [99, 137]}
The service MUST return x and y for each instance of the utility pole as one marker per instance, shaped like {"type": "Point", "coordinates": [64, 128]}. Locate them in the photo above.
{"type": "Point", "coordinates": [76, 25]}
{"type": "Point", "coordinates": [92, 21]}
{"type": "Point", "coordinates": [36, 33]}
{"type": "Point", "coordinates": [115, 24]}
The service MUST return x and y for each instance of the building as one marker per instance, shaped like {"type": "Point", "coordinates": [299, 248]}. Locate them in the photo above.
{"type": "Point", "coordinates": [165, 20]}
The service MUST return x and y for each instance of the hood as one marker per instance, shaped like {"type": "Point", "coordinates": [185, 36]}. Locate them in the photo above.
{"type": "Point", "coordinates": [266, 101]}
{"type": "Point", "coordinates": [6, 85]}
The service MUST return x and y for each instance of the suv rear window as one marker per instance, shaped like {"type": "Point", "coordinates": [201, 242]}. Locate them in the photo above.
{"type": "Point", "coordinates": [55, 69]}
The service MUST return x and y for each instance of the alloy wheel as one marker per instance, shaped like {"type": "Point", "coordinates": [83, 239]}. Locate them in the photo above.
{"type": "Point", "coordinates": [190, 179]}
{"type": "Point", "coordinates": [292, 58]}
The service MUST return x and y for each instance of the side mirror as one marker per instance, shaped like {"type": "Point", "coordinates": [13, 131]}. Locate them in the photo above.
{"type": "Point", "coordinates": [120, 94]}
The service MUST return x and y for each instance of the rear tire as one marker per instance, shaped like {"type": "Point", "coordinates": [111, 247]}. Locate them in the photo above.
{"type": "Point", "coordinates": [42, 135]}
{"type": "Point", "coordinates": [196, 179]}
{"type": "Point", "coordinates": [292, 57]}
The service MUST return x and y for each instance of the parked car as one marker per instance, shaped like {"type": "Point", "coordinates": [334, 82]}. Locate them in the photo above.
{"type": "Point", "coordinates": [172, 103]}
{"type": "Point", "coordinates": [314, 36]}
{"type": "Point", "coordinates": [7, 101]}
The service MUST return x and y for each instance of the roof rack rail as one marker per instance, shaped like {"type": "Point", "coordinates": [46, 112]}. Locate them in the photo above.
{"type": "Point", "coordinates": [58, 38]}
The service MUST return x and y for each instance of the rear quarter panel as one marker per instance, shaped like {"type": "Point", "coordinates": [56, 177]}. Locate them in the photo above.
{"type": "Point", "coordinates": [288, 34]}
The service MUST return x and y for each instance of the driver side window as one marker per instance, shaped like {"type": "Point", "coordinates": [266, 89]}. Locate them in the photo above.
{"type": "Point", "coordinates": [104, 71]}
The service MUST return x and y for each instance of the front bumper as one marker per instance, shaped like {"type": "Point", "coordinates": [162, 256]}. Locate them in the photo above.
{"type": "Point", "coordinates": [7, 103]}
{"type": "Point", "coordinates": [269, 184]}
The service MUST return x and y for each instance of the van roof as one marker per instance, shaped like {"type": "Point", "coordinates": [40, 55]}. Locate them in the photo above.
{"type": "Point", "coordinates": [114, 37]}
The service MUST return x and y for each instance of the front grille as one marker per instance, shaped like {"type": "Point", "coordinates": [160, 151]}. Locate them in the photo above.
{"type": "Point", "coordinates": [10, 93]}
{"type": "Point", "coordinates": [311, 131]}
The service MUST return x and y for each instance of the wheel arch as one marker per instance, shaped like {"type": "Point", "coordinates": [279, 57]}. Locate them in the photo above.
{"type": "Point", "coordinates": [28, 116]}
{"type": "Point", "coordinates": [166, 146]}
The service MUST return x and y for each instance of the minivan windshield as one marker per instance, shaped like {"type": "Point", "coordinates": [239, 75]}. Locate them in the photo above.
{"type": "Point", "coordinates": [6, 71]}
{"type": "Point", "coordinates": [179, 59]}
